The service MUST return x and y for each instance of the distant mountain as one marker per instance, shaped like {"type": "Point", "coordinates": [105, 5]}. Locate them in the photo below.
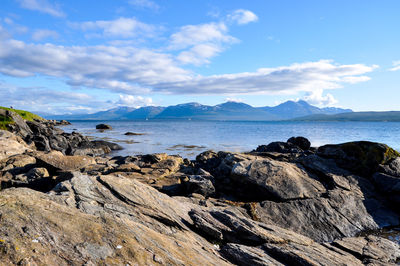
{"type": "Point", "coordinates": [144, 112]}
{"type": "Point", "coordinates": [392, 116]}
{"type": "Point", "coordinates": [291, 109]}
{"type": "Point", "coordinates": [224, 111]}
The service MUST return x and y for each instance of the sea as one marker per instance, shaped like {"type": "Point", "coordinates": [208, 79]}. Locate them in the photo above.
{"type": "Point", "coordinates": [188, 138]}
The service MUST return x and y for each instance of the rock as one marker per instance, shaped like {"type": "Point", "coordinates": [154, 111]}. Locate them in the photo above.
{"type": "Point", "coordinates": [57, 161]}
{"type": "Point", "coordinates": [340, 213]}
{"type": "Point", "coordinates": [370, 249]}
{"type": "Point", "coordinates": [19, 125]}
{"type": "Point", "coordinates": [280, 147]}
{"type": "Point", "coordinates": [300, 142]}
{"type": "Point", "coordinates": [63, 123]}
{"type": "Point", "coordinates": [245, 255]}
{"type": "Point", "coordinates": [270, 179]}
{"type": "Point", "coordinates": [360, 157]}
{"type": "Point", "coordinates": [134, 134]}
{"type": "Point", "coordinates": [393, 168]}
{"type": "Point", "coordinates": [102, 143]}
{"type": "Point", "coordinates": [136, 226]}
{"type": "Point", "coordinates": [103, 126]}
{"type": "Point", "coordinates": [199, 184]}
{"type": "Point", "coordinates": [36, 173]}
{"type": "Point", "coordinates": [11, 144]}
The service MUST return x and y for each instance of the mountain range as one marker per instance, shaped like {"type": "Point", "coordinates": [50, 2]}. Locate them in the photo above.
{"type": "Point", "coordinates": [224, 111]}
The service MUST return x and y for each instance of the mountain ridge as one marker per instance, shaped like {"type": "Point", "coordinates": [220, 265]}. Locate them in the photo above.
{"type": "Point", "coordinates": [225, 111]}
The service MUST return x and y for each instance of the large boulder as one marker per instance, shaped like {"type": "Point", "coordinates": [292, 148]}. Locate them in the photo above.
{"type": "Point", "coordinates": [10, 144]}
{"type": "Point", "coordinates": [339, 213]}
{"type": "Point", "coordinates": [300, 142]}
{"type": "Point", "coordinates": [360, 157]}
{"type": "Point", "coordinates": [271, 179]}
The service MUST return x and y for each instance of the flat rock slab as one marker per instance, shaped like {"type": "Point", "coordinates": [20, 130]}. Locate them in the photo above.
{"type": "Point", "coordinates": [62, 162]}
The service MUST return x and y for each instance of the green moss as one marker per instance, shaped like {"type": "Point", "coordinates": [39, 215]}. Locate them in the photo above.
{"type": "Point", "coordinates": [4, 121]}
{"type": "Point", "coordinates": [367, 156]}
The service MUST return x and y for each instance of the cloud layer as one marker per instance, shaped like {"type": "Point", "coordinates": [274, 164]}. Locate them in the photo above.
{"type": "Point", "coordinates": [130, 71]}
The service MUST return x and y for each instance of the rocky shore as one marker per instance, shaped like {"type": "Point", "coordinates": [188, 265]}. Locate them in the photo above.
{"type": "Point", "coordinates": [63, 201]}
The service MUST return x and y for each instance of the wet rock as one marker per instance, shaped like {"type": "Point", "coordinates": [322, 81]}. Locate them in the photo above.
{"type": "Point", "coordinates": [300, 142]}
{"type": "Point", "coordinates": [133, 134]}
{"type": "Point", "coordinates": [103, 126]}
{"type": "Point", "coordinates": [102, 143]}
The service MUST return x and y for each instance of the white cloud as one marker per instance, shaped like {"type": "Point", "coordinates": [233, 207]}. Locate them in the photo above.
{"type": "Point", "coordinates": [242, 16]}
{"type": "Point", "coordinates": [46, 100]}
{"type": "Point", "coordinates": [317, 98]}
{"type": "Point", "coordinates": [42, 6]}
{"type": "Point", "coordinates": [304, 77]}
{"type": "Point", "coordinates": [123, 69]}
{"type": "Point", "coordinates": [121, 27]}
{"type": "Point", "coordinates": [191, 35]}
{"type": "Point", "coordinates": [201, 42]}
{"type": "Point", "coordinates": [396, 66]}
{"type": "Point", "coordinates": [134, 101]}
{"type": "Point", "coordinates": [134, 71]}
{"type": "Point", "coordinates": [234, 99]}
{"type": "Point", "coordinates": [199, 54]}
{"type": "Point", "coordinates": [144, 4]}
{"type": "Point", "coordinates": [44, 34]}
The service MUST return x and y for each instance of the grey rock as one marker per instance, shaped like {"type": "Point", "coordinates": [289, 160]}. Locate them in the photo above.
{"type": "Point", "coordinates": [276, 180]}
{"type": "Point", "coordinates": [199, 184]}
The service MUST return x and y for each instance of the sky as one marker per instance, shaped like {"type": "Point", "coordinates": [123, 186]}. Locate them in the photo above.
{"type": "Point", "coordinates": [63, 57]}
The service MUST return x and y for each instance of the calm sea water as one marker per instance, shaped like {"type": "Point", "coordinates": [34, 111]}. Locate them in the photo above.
{"type": "Point", "coordinates": [189, 138]}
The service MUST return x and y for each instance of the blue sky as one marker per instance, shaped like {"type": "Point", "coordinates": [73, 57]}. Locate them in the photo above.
{"type": "Point", "coordinates": [85, 56]}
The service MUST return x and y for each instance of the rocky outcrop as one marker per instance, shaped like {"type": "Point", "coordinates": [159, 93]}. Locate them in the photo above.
{"type": "Point", "coordinates": [46, 137]}
{"type": "Point", "coordinates": [262, 208]}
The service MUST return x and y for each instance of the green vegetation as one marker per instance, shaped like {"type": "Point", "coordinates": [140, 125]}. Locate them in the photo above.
{"type": "Point", "coordinates": [4, 120]}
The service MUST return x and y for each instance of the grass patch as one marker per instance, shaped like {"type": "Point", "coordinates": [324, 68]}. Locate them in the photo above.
{"type": "Point", "coordinates": [4, 121]}
{"type": "Point", "coordinates": [24, 114]}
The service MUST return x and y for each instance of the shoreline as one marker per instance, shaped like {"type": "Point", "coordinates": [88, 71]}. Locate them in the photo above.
{"type": "Point", "coordinates": [282, 203]}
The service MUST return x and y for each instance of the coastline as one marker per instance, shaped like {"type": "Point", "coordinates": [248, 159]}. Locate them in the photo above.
{"type": "Point", "coordinates": [282, 203]}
